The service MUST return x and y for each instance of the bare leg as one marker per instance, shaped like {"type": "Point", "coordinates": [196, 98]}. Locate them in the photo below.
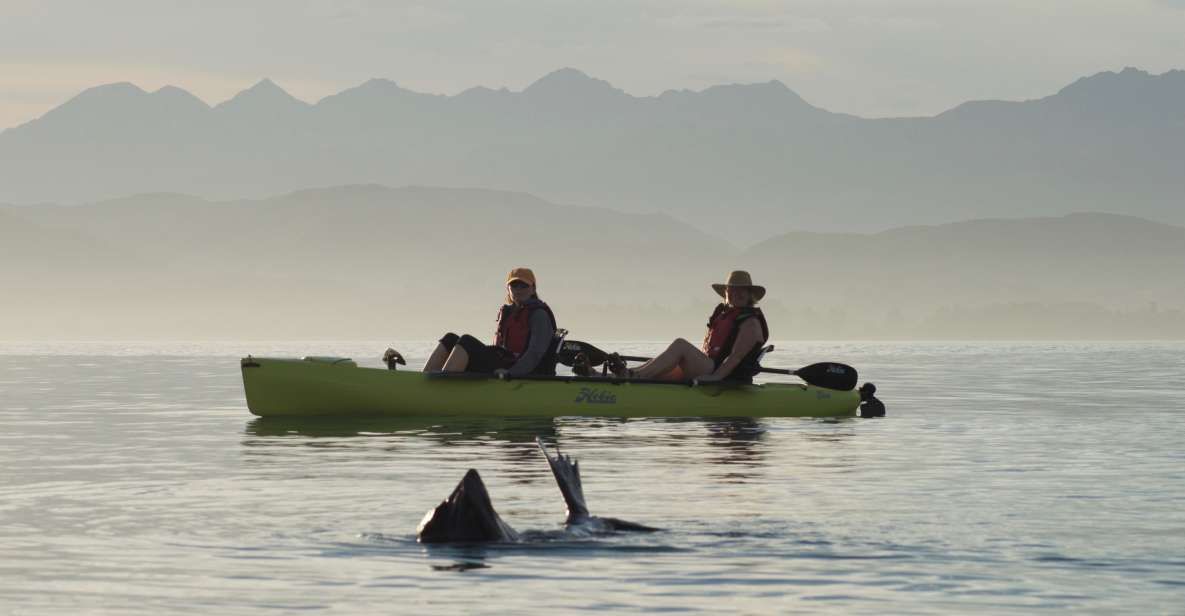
{"type": "Point", "coordinates": [697, 365]}
{"type": "Point", "coordinates": [437, 359]}
{"type": "Point", "coordinates": [457, 361]}
{"type": "Point", "coordinates": [680, 361]}
{"type": "Point", "coordinates": [662, 363]}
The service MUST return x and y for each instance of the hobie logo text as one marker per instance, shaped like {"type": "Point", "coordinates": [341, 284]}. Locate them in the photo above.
{"type": "Point", "coordinates": [595, 396]}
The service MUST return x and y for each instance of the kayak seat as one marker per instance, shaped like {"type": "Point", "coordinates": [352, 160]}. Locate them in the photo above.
{"type": "Point", "coordinates": [749, 368]}
{"type": "Point", "coordinates": [558, 339]}
{"type": "Point", "coordinates": [547, 364]}
{"type": "Point", "coordinates": [764, 350]}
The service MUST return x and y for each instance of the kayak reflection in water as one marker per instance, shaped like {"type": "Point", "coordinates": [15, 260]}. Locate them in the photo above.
{"type": "Point", "coordinates": [523, 339]}
{"type": "Point", "coordinates": [732, 346]}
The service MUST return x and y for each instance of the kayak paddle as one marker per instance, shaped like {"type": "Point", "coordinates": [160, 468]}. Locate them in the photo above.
{"type": "Point", "coordinates": [830, 375]}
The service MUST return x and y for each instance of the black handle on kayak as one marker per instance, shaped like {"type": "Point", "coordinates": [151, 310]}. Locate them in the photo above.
{"type": "Point", "coordinates": [831, 375]}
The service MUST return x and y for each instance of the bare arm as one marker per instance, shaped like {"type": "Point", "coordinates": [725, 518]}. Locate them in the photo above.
{"type": "Point", "coordinates": [747, 339]}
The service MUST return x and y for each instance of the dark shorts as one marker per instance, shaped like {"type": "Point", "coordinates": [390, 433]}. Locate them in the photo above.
{"type": "Point", "coordinates": [743, 373]}
{"type": "Point", "coordinates": [482, 357]}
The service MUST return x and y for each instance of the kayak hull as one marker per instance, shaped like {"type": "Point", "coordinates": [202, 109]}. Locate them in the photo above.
{"type": "Point", "coordinates": [327, 387]}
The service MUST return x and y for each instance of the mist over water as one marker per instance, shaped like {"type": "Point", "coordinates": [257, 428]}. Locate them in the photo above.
{"type": "Point", "coordinates": [1006, 477]}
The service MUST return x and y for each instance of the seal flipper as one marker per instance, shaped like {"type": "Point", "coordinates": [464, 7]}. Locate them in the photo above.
{"type": "Point", "coordinates": [466, 516]}
{"type": "Point", "coordinates": [567, 475]}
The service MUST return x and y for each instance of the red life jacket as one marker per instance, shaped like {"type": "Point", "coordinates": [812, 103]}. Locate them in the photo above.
{"type": "Point", "coordinates": [723, 327]}
{"type": "Point", "coordinates": [514, 325]}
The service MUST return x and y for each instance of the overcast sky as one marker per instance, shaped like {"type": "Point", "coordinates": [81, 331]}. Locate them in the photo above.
{"type": "Point", "coordinates": [868, 57]}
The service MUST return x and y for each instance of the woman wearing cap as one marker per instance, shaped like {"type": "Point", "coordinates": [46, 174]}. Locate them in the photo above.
{"type": "Point", "coordinates": [522, 340]}
{"type": "Point", "coordinates": [736, 332]}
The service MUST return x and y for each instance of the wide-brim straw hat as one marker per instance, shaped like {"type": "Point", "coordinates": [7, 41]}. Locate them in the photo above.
{"type": "Point", "coordinates": [741, 278]}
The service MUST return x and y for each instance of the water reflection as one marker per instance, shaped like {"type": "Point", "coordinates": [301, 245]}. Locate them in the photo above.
{"type": "Point", "coordinates": [738, 447]}
{"type": "Point", "coordinates": [460, 566]}
{"type": "Point", "coordinates": [736, 443]}
{"type": "Point", "coordinates": [832, 436]}
{"type": "Point", "coordinates": [446, 430]}
{"type": "Point", "coordinates": [505, 442]}
{"type": "Point", "coordinates": [741, 447]}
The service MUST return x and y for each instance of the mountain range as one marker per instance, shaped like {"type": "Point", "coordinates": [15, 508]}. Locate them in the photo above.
{"type": "Point", "coordinates": [372, 262]}
{"type": "Point", "coordinates": [745, 161]}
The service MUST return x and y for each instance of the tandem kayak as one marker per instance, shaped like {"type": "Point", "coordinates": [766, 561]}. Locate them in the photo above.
{"type": "Point", "coordinates": [327, 386]}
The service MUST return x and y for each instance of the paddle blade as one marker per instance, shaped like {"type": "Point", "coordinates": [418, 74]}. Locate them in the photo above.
{"type": "Point", "coordinates": [570, 348]}
{"type": "Point", "coordinates": [830, 375]}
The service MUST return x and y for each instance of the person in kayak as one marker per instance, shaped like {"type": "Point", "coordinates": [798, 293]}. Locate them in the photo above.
{"type": "Point", "coordinates": [523, 340]}
{"type": "Point", "coordinates": [736, 333]}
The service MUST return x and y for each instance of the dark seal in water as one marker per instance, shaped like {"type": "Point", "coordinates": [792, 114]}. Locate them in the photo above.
{"type": "Point", "coordinates": [468, 515]}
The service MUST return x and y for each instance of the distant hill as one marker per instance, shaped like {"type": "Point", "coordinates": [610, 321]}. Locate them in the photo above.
{"type": "Point", "coordinates": [718, 158]}
{"type": "Point", "coordinates": [368, 261]}
{"type": "Point", "coordinates": [347, 259]}
{"type": "Point", "coordinates": [1104, 259]}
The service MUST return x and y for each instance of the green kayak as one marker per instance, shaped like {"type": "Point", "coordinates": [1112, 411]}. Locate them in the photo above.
{"type": "Point", "coordinates": [326, 386]}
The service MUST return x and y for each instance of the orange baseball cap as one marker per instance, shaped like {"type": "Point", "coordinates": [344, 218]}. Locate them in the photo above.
{"type": "Point", "coordinates": [521, 273]}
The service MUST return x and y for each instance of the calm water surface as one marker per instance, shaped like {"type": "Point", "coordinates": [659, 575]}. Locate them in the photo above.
{"type": "Point", "coordinates": [1007, 478]}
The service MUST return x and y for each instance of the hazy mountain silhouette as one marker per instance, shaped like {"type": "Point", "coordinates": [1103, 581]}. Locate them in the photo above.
{"type": "Point", "coordinates": [571, 89]}
{"type": "Point", "coordinates": [1111, 142]}
{"type": "Point", "coordinates": [367, 261]}
{"type": "Point", "coordinates": [332, 260]}
{"type": "Point", "coordinates": [1110, 260]}
{"type": "Point", "coordinates": [261, 99]}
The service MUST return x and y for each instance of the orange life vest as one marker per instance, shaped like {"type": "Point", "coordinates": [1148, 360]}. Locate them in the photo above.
{"type": "Point", "coordinates": [514, 325]}
{"type": "Point", "coordinates": [723, 327]}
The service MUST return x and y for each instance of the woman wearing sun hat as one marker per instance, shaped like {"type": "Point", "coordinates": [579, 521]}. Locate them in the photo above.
{"type": "Point", "coordinates": [522, 340]}
{"type": "Point", "coordinates": [736, 332]}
